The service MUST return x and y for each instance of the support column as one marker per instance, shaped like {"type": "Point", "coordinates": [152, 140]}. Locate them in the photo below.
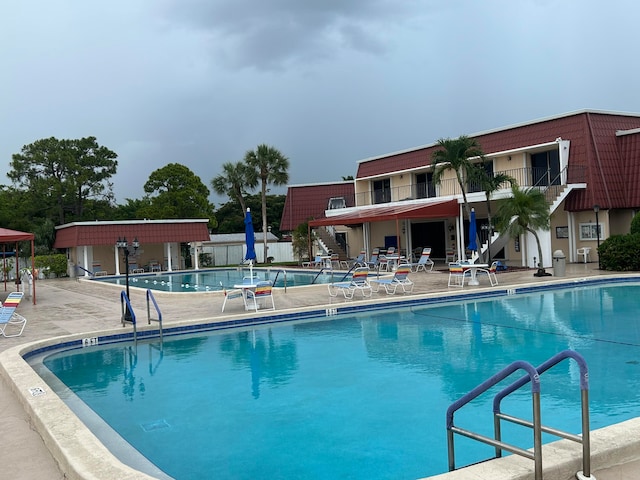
{"type": "Point", "coordinates": [117, 261]}
{"type": "Point", "coordinates": [86, 260]}
{"type": "Point", "coordinates": [169, 269]}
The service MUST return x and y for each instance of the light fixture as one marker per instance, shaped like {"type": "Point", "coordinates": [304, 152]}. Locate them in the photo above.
{"type": "Point", "coordinates": [123, 246]}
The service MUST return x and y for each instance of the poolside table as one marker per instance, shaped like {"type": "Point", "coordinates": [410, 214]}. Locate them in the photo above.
{"type": "Point", "coordinates": [473, 268]}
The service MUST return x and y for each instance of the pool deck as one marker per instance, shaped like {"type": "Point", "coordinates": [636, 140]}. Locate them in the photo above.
{"type": "Point", "coordinates": [69, 306]}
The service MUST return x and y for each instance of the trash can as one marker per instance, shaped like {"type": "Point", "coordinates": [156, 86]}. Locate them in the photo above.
{"type": "Point", "coordinates": [559, 263]}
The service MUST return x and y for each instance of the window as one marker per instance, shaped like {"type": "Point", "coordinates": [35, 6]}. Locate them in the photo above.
{"type": "Point", "coordinates": [545, 168]}
{"type": "Point", "coordinates": [475, 186]}
{"type": "Point", "coordinates": [337, 202]}
{"type": "Point", "coordinates": [589, 231]}
{"type": "Point", "coordinates": [382, 191]}
{"type": "Point", "coordinates": [424, 185]}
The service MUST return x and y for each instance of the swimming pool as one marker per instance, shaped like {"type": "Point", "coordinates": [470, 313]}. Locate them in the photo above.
{"type": "Point", "coordinates": [218, 279]}
{"type": "Point", "coordinates": [363, 395]}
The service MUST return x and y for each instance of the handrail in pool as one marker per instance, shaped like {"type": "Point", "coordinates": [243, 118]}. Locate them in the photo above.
{"type": "Point", "coordinates": [285, 278]}
{"type": "Point", "coordinates": [533, 375]}
{"type": "Point", "coordinates": [155, 304]}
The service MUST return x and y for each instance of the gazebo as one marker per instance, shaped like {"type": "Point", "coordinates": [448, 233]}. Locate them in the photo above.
{"type": "Point", "coordinates": [8, 236]}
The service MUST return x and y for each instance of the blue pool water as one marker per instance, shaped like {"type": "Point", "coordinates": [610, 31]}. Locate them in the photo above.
{"type": "Point", "coordinates": [359, 395]}
{"type": "Point", "coordinates": [217, 279]}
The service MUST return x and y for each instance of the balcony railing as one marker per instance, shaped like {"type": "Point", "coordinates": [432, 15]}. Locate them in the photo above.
{"type": "Point", "coordinates": [525, 177]}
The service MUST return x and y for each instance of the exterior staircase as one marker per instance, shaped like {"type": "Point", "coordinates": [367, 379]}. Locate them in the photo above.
{"type": "Point", "coordinates": [328, 242]}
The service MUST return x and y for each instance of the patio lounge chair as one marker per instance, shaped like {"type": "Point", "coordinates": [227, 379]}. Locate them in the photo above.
{"type": "Point", "coordinates": [373, 261]}
{"type": "Point", "coordinates": [359, 261]}
{"type": "Point", "coordinates": [400, 279]}
{"type": "Point", "coordinates": [424, 262]}
{"type": "Point", "coordinates": [262, 293]}
{"type": "Point", "coordinates": [9, 318]}
{"type": "Point", "coordinates": [233, 294]}
{"type": "Point", "coordinates": [359, 282]}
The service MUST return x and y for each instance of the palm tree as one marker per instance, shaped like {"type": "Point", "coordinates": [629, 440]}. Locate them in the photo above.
{"type": "Point", "coordinates": [490, 183]}
{"type": "Point", "coordinates": [525, 211]}
{"type": "Point", "coordinates": [271, 167]}
{"type": "Point", "coordinates": [455, 154]}
{"type": "Point", "coordinates": [234, 182]}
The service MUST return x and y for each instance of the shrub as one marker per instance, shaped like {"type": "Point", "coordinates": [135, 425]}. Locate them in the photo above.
{"type": "Point", "coordinates": [620, 252]}
{"type": "Point", "coordinates": [56, 263]}
{"type": "Point", "coordinates": [635, 224]}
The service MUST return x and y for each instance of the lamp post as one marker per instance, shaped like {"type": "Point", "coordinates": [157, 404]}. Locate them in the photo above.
{"type": "Point", "coordinates": [123, 246]}
{"type": "Point", "coordinates": [596, 209]}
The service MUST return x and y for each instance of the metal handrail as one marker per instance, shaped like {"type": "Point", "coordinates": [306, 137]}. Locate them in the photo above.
{"type": "Point", "coordinates": [126, 306]}
{"type": "Point", "coordinates": [479, 390]}
{"type": "Point", "coordinates": [152, 299]}
{"type": "Point", "coordinates": [583, 439]}
{"type": "Point", "coordinates": [538, 428]}
{"type": "Point", "coordinates": [285, 278]}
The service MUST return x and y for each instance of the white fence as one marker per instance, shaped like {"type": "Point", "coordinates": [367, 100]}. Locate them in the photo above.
{"type": "Point", "coordinates": [234, 254]}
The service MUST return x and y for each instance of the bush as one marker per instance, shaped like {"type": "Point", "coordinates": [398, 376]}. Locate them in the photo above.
{"type": "Point", "coordinates": [635, 224]}
{"type": "Point", "coordinates": [55, 263]}
{"type": "Point", "coordinates": [620, 252]}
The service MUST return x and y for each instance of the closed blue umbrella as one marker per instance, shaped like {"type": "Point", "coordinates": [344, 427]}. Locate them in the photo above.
{"type": "Point", "coordinates": [473, 246]}
{"type": "Point", "coordinates": [250, 240]}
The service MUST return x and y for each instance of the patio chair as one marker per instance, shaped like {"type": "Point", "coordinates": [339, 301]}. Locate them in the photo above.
{"type": "Point", "coordinates": [359, 261]}
{"type": "Point", "coordinates": [231, 295]}
{"type": "Point", "coordinates": [585, 252]}
{"type": "Point", "coordinates": [424, 262]}
{"type": "Point", "coordinates": [262, 293]}
{"type": "Point", "coordinates": [359, 282]}
{"type": "Point", "coordinates": [383, 261]}
{"type": "Point", "coordinates": [315, 263]}
{"type": "Point", "coordinates": [456, 274]}
{"type": "Point", "coordinates": [491, 273]}
{"type": "Point", "coordinates": [9, 318]}
{"type": "Point", "coordinates": [373, 261]}
{"type": "Point", "coordinates": [400, 279]}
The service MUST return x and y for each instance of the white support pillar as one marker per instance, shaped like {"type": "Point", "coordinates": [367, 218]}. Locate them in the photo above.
{"type": "Point", "coordinates": [195, 250]}
{"type": "Point", "coordinates": [85, 255]}
{"type": "Point", "coordinates": [117, 259]}
{"type": "Point", "coordinates": [169, 269]}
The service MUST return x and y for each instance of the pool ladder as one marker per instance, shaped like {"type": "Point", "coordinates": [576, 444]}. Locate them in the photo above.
{"type": "Point", "coordinates": [131, 318]}
{"type": "Point", "coordinates": [533, 376]}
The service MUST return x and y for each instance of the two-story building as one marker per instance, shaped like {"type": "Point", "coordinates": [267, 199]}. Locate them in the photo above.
{"type": "Point", "coordinates": [583, 161]}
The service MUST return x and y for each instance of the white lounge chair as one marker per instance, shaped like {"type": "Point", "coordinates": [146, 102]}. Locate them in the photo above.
{"type": "Point", "coordinates": [9, 318]}
{"type": "Point", "coordinates": [424, 261]}
{"type": "Point", "coordinates": [400, 279]}
{"type": "Point", "coordinates": [359, 282]}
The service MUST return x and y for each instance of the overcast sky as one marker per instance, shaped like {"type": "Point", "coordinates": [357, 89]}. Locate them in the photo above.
{"type": "Point", "coordinates": [327, 82]}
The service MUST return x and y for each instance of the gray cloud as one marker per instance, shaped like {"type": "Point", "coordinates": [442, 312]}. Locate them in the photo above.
{"type": "Point", "coordinates": [200, 82]}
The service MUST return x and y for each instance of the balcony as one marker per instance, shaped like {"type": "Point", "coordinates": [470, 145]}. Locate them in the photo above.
{"type": "Point", "coordinates": [552, 181]}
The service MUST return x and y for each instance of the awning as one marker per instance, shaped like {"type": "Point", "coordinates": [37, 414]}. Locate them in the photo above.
{"type": "Point", "coordinates": [380, 213]}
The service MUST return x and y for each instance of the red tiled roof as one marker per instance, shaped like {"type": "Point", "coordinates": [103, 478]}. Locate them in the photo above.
{"type": "Point", "coordinates": [629, 144]}
{"type": "Point", "coordinates": [306, 202]}
{"type": "Point", "coordinates": [379, 213]}
{"type": "Point", "coordinates": [146, 231]}
{"type": "Point", "coordinates": [594, 146]}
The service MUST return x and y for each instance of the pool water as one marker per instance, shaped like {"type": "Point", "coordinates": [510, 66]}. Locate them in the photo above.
{"type": "Point", "coordinates": [218, 279]}
{"type": "Point", "coordinates": [361, 395]}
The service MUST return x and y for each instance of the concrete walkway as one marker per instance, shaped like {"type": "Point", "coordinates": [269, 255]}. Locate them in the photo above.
{"type": "Point", "coordinates": [69, 306]}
